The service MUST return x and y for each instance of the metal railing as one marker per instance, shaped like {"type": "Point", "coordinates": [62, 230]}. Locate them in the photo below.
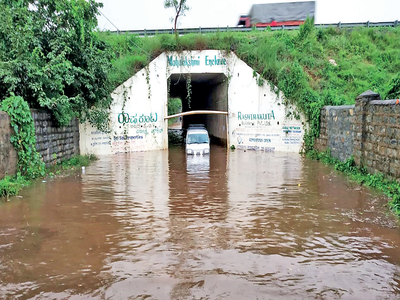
{"type": "Point", "coordinates": [182, 31]}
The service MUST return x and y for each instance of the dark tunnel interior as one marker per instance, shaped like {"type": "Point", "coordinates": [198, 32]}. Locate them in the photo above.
{"type": "Point", "coordinates": [209, 91]}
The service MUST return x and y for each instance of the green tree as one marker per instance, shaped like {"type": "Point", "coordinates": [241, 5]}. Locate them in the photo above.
{"type": "Point", "coordinates": [51, 56]}
{"type": "Point", "coordinates": [180, 7]}
{"type": "Point", "coordinates": [174, 106]}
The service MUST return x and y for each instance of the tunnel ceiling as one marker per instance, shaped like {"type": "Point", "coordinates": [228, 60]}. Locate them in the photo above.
{"type": "Point", "coordinates": [178, 82]}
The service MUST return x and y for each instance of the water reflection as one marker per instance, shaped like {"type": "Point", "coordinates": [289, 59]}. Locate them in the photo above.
{"type": "Point", "coordinates": [231, 225]}
{"type": "Point", "coordinates": [198, 165]}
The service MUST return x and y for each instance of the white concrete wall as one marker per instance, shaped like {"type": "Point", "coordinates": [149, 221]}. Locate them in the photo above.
{"type": "Point", "coordinates": [257, 117]}
{"type": "Point", "coordinates": [137, 115]}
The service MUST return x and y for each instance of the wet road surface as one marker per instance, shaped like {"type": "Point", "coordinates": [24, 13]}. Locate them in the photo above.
{"type": "Point", "coordinates": [236, 225]}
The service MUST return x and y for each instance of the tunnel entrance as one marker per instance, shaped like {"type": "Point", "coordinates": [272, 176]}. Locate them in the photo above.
{"type": "Point", "coordinates": [207, 91]}
{"type": "Point", "coordinates": [249, 114]}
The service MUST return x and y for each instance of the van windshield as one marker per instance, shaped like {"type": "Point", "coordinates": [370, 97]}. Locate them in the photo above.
{"type": "Point", "coordinates": [197, 138]}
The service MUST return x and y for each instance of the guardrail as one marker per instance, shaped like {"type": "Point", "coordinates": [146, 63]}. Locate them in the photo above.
{"type": "Point", "coordinates": [182, 31]}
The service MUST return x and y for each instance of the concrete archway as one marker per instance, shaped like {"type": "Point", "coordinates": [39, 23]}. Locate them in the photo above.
{"type": "Point", "coordinates": [218, 81]}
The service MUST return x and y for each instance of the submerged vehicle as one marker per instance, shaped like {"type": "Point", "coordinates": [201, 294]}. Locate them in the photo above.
{"type": "Point", "coordinates": [197, 140]}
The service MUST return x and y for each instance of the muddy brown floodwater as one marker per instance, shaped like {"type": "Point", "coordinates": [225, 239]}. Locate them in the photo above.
{"type": "Point", "coordinates": [232, 225]}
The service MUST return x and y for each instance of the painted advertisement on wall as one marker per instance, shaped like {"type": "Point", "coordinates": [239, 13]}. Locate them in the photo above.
{"type": "Point", "coordinates": [259, 118]}
{"type": "Point", "coordinates": [130, 133]}
{"type": "Point", "coordinates": [267, 131]}
{"type": "Point", "coordinates": [136, 121]}
{"type": "Point", "coordinates": [252, 137]}
{"type": "Point", "coordinates": [139, 131]}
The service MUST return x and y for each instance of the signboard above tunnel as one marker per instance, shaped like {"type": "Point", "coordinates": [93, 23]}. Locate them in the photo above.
{"type": "Point", "coordinates": [204, 80]}
{"type": "Point", "coordinates": [193, 61]}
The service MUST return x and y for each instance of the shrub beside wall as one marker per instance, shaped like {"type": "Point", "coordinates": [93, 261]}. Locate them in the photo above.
{"type": "Point", "coordinates": [8, 155]}
{"type": "Point", "coordinates": [53, 143]}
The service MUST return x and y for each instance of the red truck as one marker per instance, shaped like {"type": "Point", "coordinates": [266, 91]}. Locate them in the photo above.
{"type": "Point", "coordinates": [278, 14]}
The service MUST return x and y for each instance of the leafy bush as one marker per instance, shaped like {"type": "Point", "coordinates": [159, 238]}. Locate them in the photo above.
{"type": "Point", "coordinates": [50, 56]}
{"type": "Point", "coordinates": [174, 107]}
{"type": "Point", "coordinates": [30, 162]}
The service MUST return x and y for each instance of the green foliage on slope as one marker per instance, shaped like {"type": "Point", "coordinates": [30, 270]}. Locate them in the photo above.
{"type": "Point", "coordinates": [312, 67]}
{"type": "Point", "coordinates": [394, 88]}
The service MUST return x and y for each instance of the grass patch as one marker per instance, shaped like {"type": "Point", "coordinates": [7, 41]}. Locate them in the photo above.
{"type": "Point", "coordinates": [390, 188]}
{"type": "Point", "coordinates": [73, 163]}
{"type": "Point", "coordinates": [11, 185]}
{"type": "Point", "coordinates": [78, 161]}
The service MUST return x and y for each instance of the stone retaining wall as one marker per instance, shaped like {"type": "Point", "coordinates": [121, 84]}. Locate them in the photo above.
{"type": "Point", "coordinates": [53, 143]}
{"type": "Point", "coordinates": [377, 135]}
{"type": "Point", "coordinates": [8, 155]}
{"type": "Point", "coordinates": [368, 131]}
{"type": "Point", "coordinates": [337, 131]}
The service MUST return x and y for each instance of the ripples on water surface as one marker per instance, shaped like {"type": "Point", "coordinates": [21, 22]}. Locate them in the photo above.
{"type": "Point", "coordinates": [237, 225]}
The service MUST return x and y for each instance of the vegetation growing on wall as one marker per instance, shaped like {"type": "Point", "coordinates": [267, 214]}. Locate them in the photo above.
{"type": "Point", "coordinates": [312, 67]}
{"type": "Point", "coordinates": [30, 164]}
{"type": "Point", "coordinates": [189, 90]}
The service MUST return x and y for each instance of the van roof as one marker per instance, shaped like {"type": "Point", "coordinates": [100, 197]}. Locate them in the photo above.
{"type": "Point", "coordinates": [197, 130]}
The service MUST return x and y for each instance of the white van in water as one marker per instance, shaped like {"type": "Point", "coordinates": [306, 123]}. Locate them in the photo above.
{"type": "Point", "coordinates": [197, 140]}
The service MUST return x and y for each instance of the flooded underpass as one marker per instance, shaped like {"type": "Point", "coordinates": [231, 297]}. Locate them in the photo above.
{"type": "Point", "coordinates": [232, 225]}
